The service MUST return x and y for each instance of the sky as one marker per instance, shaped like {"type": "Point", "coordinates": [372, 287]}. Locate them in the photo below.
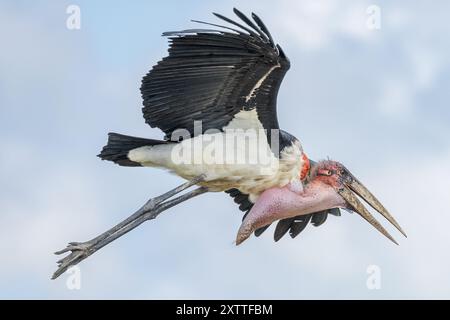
{"type": "Point", "coordinates": [375, 99]}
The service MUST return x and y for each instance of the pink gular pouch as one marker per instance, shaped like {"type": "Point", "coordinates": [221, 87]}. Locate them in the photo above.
{"type": "Point", "coordinates": [286, 202]}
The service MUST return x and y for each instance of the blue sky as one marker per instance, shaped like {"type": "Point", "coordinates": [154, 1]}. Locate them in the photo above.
{"type": "Point", "coordinates": [376, 100]}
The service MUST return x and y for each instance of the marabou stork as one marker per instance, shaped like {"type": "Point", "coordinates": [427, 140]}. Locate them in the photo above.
{"type": "Point", "coordinates": [217, 85]}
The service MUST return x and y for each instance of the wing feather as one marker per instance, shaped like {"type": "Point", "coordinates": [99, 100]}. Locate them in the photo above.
{"type": "Point", "coordinates": [211, 75]}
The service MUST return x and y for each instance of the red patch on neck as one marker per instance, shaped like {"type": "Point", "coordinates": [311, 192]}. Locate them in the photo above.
{"type": "Point", "coordinates": [305, 168]}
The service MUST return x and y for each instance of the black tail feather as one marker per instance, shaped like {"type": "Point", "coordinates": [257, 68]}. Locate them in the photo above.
{"type": "Point", "coordinates": [119, 145]}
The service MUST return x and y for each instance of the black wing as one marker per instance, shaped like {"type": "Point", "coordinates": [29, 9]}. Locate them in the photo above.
{"type": "Point", "coordinates": [294, 225]}
{"type": "Point", "coordinates": [210, 75]}
{"type": "Point", "coordinates": [297, 224]}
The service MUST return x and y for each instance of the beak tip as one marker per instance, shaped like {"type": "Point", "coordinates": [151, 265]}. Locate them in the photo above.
{"type": "Point", "coordinates": [403, 233]}
{"type": "Point", "coordinates": [391, 238]}
{"type": "Point", "coordinates": [359, 189]}
{"type": "Point", "coordinates": [397, 226]}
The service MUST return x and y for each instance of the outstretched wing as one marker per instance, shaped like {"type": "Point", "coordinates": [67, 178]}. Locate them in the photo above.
{"type": "Point", "coordinates": [211, 75]}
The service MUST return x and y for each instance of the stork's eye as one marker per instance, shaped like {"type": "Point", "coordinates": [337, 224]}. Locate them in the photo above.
{"type": "Point", "coordinates": [324, 172]}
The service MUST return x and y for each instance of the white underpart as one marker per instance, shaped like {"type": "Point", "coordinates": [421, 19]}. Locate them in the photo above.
{"type": "Point", "coordinates": [245, 120]}
{"type": "Point", "coordinates": [239, 157]}
{"type": "Point", "coordinates": [259, 83]}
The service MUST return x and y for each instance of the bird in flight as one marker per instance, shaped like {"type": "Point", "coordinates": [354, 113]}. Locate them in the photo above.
{"type": "Point", "coordinates": [215, 98]}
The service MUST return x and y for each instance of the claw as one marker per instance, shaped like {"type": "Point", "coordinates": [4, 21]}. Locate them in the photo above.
{"type": "Point", "coordinates": [79, 250]}
{"type": "Point", "coordinates": [153, 207]}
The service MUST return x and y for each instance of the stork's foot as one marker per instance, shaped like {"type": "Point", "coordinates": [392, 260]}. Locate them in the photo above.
{"type": "Point", "coordinates": [79, 252]}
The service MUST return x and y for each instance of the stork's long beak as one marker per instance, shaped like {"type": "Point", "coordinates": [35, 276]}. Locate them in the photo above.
{"type": "Point", "coordinates": [351, 184]}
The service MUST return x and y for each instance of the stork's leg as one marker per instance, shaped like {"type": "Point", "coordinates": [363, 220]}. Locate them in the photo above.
{"type": "Point", "coordinates": [153, 207]}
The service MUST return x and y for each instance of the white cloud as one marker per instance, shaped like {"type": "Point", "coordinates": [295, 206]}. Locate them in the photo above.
{"type": "Point", "coordinates": [315, 25]}
{"type": "Point", "coordinates": [416, 191]}
{"type": "Point", "coordinates": [43, 208]}
{"type": "Point", "coordinates": [427, 64]}
{"type": "Point", "coordinates": [396, 99]}
{"type": "Point", "coordinates": [424, 58]}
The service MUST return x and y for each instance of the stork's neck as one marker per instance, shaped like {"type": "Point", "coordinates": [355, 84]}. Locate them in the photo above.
{"type": "Point", "coordinates": [316, 196]}
{"type": "Point", "coordinates": [281, 203]}
{"type": "Point", "coordinates": [306, 167]}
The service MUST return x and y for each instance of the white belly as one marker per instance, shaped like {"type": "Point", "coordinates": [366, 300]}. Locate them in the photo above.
{"type": "Point", "coordinates": [238, 157]}
{"type": "Point", "coordinates": [228, 160]}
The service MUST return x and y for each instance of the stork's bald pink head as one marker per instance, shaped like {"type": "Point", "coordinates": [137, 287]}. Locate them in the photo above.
{"type": "Point", "coordinates": [329, 172]}
{"type": "Point", "coordinates": [329, 185]}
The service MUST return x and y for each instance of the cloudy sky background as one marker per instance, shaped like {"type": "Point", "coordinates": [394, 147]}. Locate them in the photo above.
{"type": "Point", "coordinates": [376, 100]}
